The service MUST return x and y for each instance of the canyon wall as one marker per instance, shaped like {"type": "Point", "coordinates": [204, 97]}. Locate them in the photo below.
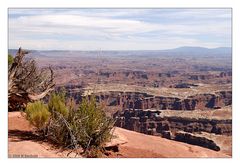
{"type": "Point", "coordinates": [150, 122]}
{"type": "Point", "coordinates": [176, 128]}
{"type": "Point", "coordinates": [138, 100]}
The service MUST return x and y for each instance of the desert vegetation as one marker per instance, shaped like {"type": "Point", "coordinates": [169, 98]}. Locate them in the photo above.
{"type": "Point", "coordinates": [26, 82]}
{"type": "Point", "coordinates": [10, 59]}
{"type": "Point", "coordinates": [190, 102]}
{"type": "Point", "coordinates": [83, 128]}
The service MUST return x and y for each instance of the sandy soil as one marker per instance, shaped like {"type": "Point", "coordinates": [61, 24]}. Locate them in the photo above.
{"type": "Point", "coordinates": [24, 143]}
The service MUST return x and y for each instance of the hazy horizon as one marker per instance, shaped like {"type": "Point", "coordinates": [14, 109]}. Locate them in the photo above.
{"type": "Point", "coordinates": [122, 50]}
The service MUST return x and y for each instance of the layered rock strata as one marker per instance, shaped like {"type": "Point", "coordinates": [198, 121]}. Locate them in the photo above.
{"type": "Point", "coordinates": [177, 128]}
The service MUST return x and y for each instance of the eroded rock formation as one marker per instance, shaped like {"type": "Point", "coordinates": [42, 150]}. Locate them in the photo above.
{"type": "Point", "coordinates": [137, 100]}
{"type": "Point", "coordinates": [177, 128]}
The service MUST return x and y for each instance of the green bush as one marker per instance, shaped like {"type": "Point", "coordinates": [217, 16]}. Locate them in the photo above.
{"type": "Point", "coordinates": [87, 127]}
{"type": "Point", "coordinates": [57, 103]}
{"type": "Point", "coordinates": [10, 59]}
{"type": "Point", "coordinates": [69, 126]}
{"type": "Point", "coordinates": [37, 114]}
{"type": "Point", "coordinates": [93, 127]}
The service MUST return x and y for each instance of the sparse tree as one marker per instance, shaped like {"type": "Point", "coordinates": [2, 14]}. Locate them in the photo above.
{"type": "Point", "coordinates": [26, 82]}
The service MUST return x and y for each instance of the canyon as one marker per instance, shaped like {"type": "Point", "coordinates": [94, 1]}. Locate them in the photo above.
{"type": "Point", "coordinates": [178, 126]}
{"type": "Point", "coordinates": [177, 96]}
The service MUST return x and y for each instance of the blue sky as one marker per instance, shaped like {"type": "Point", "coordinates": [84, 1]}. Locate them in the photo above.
{"type": "Point", "coordinates": [118, 29]}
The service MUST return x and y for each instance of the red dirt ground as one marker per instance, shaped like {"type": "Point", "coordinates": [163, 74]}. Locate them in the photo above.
{"type": "Point", "coordinates": [23, 143]}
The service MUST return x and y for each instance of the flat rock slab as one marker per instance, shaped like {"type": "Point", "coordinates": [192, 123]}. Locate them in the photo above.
{"type": "Point", "coordinates": [161, 147]}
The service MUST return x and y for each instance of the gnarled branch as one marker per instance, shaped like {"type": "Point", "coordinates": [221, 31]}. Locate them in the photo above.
{"type": "Point", "coordinates": [26, 82]}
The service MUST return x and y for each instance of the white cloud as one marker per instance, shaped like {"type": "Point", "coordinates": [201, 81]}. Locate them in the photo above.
{"type": "Point", "coordinates": [89, 31]}
{"type": "Point", "coordinates": [199, 14]}
{"type": "Point", "coordinates": [44, 24]}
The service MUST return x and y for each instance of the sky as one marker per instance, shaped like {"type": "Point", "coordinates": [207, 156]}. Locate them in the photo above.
{"type": "Point", "coordinates": [118, 29]}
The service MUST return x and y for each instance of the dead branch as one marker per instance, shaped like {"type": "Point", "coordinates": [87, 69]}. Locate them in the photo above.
{"type": "Point", "coordinates": [26, 82]}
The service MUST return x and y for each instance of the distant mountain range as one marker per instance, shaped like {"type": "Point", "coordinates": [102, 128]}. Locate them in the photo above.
{"type": "Point", "coordinates": [180, 51]}
{"type": "Point", "coordinates": [201, 50]}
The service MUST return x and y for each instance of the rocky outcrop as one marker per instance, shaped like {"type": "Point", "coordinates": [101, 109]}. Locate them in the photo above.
{"type": "Point", "coordinates": [184, 85]}
{"type": "Point", "coordinates": [136, 100]}
{"type": "Point", "coordinates": [225, 74]}
{"type": "Point", "coordinates": [222, 127]}
{"type": "Point", "coordinates": [196, 140]}
{"type": "Point", "coordinates": [218, 100]}
{"type": "Point", "coordinates": [201, 77]}
{"type": "Point", "coordinates": [74, 91]}
{"type": "Point", "coordinates": [151, 122]}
